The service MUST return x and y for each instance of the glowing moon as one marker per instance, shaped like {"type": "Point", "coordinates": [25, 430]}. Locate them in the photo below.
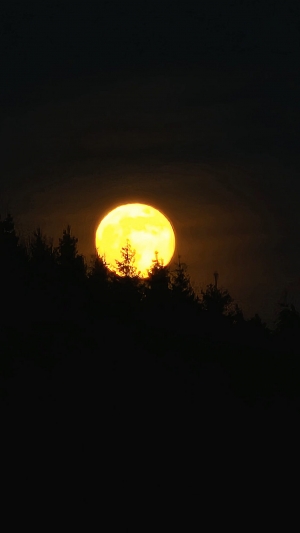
{"type": "Point", "coordinates": [147, 230]}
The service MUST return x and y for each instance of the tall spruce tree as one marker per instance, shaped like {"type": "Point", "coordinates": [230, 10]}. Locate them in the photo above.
{"type": "Point", "coordinates": [287, 328]}
{"type": "Point", "coordinates": [182, 290]}
{"type": "Point", "coordinates": [71, 263]}
{"type": "Point", "coordinates": [100, 284]}
{"type": "Point", "coordinates": [158, 284]}
{"type": "Point", "coordinates": [126, 266]}
{"type": "Point", "coordinates": [126, 286]}
{"type": "Point", "coordinates": [216, 301]}
{"type": "Point", "coordinates": [42, 257]}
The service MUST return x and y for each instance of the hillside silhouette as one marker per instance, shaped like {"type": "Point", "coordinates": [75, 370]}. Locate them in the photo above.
{"type": "Point", "coordinates": [107, 372]}
{"type": "Point", "coordinates": [106, 366]}
{"type": "Point", "coordinates": [60, 312]}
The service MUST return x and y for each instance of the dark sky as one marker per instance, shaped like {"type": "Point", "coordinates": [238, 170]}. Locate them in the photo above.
{"type": "Point", "coordinates": [190, 106]}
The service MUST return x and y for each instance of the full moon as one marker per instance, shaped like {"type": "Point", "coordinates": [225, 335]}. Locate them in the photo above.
{"type": "Point", "coordinates": [145, 228]}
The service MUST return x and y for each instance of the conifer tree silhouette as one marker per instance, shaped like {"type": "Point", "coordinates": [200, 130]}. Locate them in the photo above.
{"type": "Point", "coordinates": [40, 247]}
{"type": "Point", "coordinates": [287, 327]}
{"type": "Point", "coordinates": [158, 285]}
{"type": "Point", "coordinates": [42, 276]}
{"type": "Point", "coordinates": [182, 290]}
{"type": "Point", "coordinates": [71, 263]}
{"type": "Point", "coordinates": [216, 301]}
{"type": "Point", "coordinates": [258, 331]}
{"type": "Point", "coordinates": [126, 266]}
{"type": "Point", "coordinates": [127, 285]}
{"type": "Point", "coordinates": [100, 285]}
{"type": "Point", "coordinates": [72, 280]}
{"type": "Point", "coordinates": [98, 271]}
{"type": "Point", "coordinates": [42, 257]}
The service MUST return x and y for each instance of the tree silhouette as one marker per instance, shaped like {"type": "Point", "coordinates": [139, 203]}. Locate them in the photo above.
{"type": "Point", "coordinates": [158, 283]}
{"type": "Point", "coordinates": [158, 275]}
{"type": "Point", "coordinates": [258, 325]}
{"type": "Point", "coordinates": [126, 284]}
{"type": "Point", "coordinates": [42, 277]}
{"type": "Point", "coordinates": [216, 301]}
{"type": "Point", "coordinates": [288, 319]}
{"type": "Point", "coordinates": [71, 263]}
{"type": "Point", "coordinates": [219, 312]}
{"type": "Point", "coordinates": [126, 266]}
{"type": "Point", "coordinates": [42, 256]}
{"type": "Point", "coordinates": [182, 290]}
{"type": "Point", "coordinates": [98, 271]}
{"type": "Point", "coordinates": [40, 247]}
{"type": "Point", "coordinates": [99, 282]}
{"type": "Point", "coordinates": [287, 327]}
{"type": "Point", "coordinates": [235, 314]}
{"type": "Point", "coordinates": [72, 278]}
{"type": "Point", "coordinates": [257, 330]}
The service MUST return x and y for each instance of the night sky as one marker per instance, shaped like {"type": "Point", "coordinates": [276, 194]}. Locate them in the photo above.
{"type": "Point", "coordinates": [192, 107]}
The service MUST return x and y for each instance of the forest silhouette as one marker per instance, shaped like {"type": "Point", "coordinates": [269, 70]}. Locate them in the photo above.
{"type": "Point", "coordinates": [73, 332]}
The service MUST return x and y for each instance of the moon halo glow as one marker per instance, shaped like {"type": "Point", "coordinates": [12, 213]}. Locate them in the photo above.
{"type": "Point", "coordinates": [146, 229]}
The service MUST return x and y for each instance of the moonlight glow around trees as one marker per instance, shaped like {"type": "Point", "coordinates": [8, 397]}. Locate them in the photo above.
{"type": "Point", "coordinates": [146, 229]}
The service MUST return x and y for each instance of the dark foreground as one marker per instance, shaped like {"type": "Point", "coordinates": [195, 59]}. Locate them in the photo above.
{"type": "Point", "coordinates": [133, 423]}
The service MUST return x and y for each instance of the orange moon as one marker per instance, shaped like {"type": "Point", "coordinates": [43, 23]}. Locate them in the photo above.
{"type": "Point", "coordinates": [147, 230]}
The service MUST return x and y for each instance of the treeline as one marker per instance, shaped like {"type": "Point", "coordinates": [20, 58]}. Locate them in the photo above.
{"type": "Point", "coordinates": [53, 300]}
{"type": "Point", "coordinates": [51, 281]}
